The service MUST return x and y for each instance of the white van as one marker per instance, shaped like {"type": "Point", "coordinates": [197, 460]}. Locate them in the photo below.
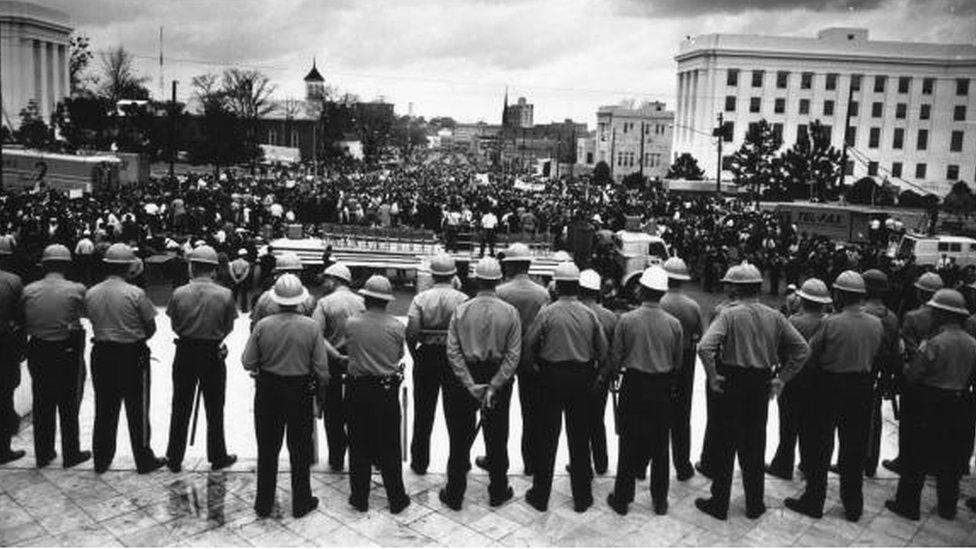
{"type": "Point", "coordinates": [929, 250]}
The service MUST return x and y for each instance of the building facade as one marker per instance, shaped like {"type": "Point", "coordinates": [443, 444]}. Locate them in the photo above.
{"type": "Point", "coordinates": [911, 104]}
{"type": "Point", "coordinates": [518, 115]}
{"type": "Point", "coordinates": [634, 139]}
{"type": "Point", "coordinates": [34, 55]}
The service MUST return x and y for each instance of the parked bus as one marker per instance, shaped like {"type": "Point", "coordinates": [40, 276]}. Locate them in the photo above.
{"type": "Point", "coordinates": [30, 169]}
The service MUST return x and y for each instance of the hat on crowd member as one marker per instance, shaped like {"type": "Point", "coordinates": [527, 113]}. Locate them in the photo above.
{"type": "Point", "coordinates": [442, 265]}
{"type": "Point", "coordinates": [242, 252]}
{"type": "Point", "coordinates": [790, 288]}
{"type": "Point", "coordinates": [567, 271]}
{"type": "Point", "coordinates": [590, 280]}
{"type": "Point", "coordinates": [288, 290]}
{"type": "Point", "coordinates": [815, 290]}
{"type": "Point", "coordinates": [56, 252]}
{"type": "Point", "coordinates": [562, 256]}
{"type": "Point", "coordinates": [676, 269]}
{"type": "Point", "coordinates": [288, 261]}
{"type": "Point", "coordinates": [199, 242]}
{"type": "Point", "coordinates": [950, 301]}
{"type": "Point", "coordinates": [850, 281]}
{"type": "Point", "coordinates": [119, 254]}
{"type": "Point", "coordinates": [655, 278]}
{"type": "Point", "coordinates": [517, 251]}
{"type": "Point", "coordinates": [929, 282]}
{"type": "Point", "coordinates": [6, 245]}
{"type": "Point", "coordinates": [340, 271]}
{"type": "Point", "coordinates": [488, 268]}
{"type": "Point", "coordinates": [741, 274]}
{"type": "Point", "coordinates": [203, 254]}
{"type": "Point", "coordinates": [378, 287]}
{"type": "Point", "coordinates": [875, 280]}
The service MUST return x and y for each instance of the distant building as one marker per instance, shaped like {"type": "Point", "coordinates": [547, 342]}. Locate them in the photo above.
{"type": "Point", "coordinates": [33, 59]}
{"type": "Point", "coordinates": [586, 151]}
{"type": "Point", "coordinates": [518, 115]}
{"type": "Point", "coordinates": [634, 139]}
{"type": "Point", "coordinates": [911, 110]}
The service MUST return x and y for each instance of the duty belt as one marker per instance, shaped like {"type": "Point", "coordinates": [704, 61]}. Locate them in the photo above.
{"type": "Point", "coordinates": [433, 337]}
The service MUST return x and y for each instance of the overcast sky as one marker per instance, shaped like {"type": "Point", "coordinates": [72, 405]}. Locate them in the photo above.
{"type": "Point", "coordinates": [455, 57]}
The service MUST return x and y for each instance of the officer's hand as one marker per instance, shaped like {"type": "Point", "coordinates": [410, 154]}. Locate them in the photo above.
{"type": "Point", "coordinates": [716, 382]}
{"type": "Point", "coordinates": [488, 402]}
{"type": "Point", "coordinates": [223, 351]}
{"type": "Point", "coordinates": [478, 391]}
{"type": "Point", "coordinates": [775, 388]}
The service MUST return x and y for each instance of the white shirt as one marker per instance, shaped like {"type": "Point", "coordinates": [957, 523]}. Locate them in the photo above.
{"type": "Point", "coordinates": [489, 221]}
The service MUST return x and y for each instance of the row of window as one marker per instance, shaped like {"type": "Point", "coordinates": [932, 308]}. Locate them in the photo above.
{"type": "Point", "coordinates": [877, 108]}
{"type": "Point", "coordinates": [956, 138]}
{"type": "Point", "coordinates": [657, 129]}
{"type": "Point", "coordinates": [626, 159]}
{"type": "Point", "coordinates": [273, 138]}
{"type": "Point", "coordinates": [830, 82]}
{"type": "Point", "coordinates": [921, 170]}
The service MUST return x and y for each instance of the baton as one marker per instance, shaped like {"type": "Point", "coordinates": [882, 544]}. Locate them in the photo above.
{"type": "Point", "coordinates": [404, 405]}
{"type": "Point", "coordinates": [616, 409]}
{"type": "Point", "coordinates": [196, 414]}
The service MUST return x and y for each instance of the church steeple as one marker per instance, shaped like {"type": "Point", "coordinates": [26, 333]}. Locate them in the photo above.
{"type": "Point", "coordinates": [314, 75]}
{"type": "Point", "coordinates": [314, 84]}
{"type": "Point", "coordinates": [505, 110]}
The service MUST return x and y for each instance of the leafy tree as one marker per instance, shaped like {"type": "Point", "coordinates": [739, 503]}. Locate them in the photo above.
{"type": "Point", "coordinates": [442, 122]}
{"type": "Point", "coordinates": [811, 166]}
{"type": "Point", "coordinates": [85, 122]}
{"type": "Point", "coordinates": [912, 199]}
{"type": "Point", "coordinates": [862, 191]}
{"type": "Point", "coordinates": [79, 58]}
{"type": "Point", "coordinates": [408, 134]}
{"type": "Point", "coordinates": [753, 164]}
{"type": "Point", "coordinates": [685, 167]}
{"type": "Point", "coordinates": [33, 133]}
{"type": "Point", "coordinates": [634, 180]}
{"type": "Point", "coordinates": [960, 200]}
{"type": "Point", "coordinates": [601, 173]}
{"type": "Point", "coordinates": [223, 139]}
{"type": "Point", "coordinates": [118, 77]}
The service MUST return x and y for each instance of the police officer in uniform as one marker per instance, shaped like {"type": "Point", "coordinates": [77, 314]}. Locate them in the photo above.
{"type": "Point", "coordinates": [648, 345]}
{"type": "Point", "coordinates": [484, 345]}
{"type": "Point", "coordinates": [330, 314]}
{"type": "Point", "coordinates": [794, 401]}
{"type": "Point", "coordinates": [590, 287]}
{"type": "Point", "coordinates": [288, 358]}
{"type": "Point", "coordinates": [842, 356]}
{"type": "Point", "coordinates": [122, 318]}
{"type": "Point", "coordinates": [202, 314]}
{"type": "Point", "coordinates": [888, 361]}
{"type": "Point", "coordinates": [676, 303]}
{"type": "Point", "coordinates": [565, 340]}
{"type": "Point", "coordinates": [287, 262]}
{"type": "Point", "coordinates": [747, 339]}
{"type": "Point", "coordinates": [941, 374]}
{"type": "Point", "coordinates": [11, 349]}
{"type": "Point", "coordinates": [427, 321]}
{"type": "Point", "coordinates": [53, 307]}
{"type": "Point", "coordinates": [375, 344]}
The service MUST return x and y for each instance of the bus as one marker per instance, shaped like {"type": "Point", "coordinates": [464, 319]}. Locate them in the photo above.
{"type": "Point", "coordinates": [27, 169]}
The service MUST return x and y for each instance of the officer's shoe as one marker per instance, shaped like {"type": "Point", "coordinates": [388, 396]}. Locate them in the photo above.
{"type": "Point", "coordinates": [174, 466]}
{"type": "Point", "coordinates": [498, 499]}
{"type": "Point", "coordinates": [396, 507]}
{"type": "Point", "coordinates": [452, 504]}
{"type": "Point", "coordinates": [336, 467]}
{"type": "Point", "coordinates": [661, 507]}
{"type": "Point", "coordinates": [306, 508]}
{"type": "Point", "coordinates": [893, 506]}
{"type": "Point", "coordinates": [949, 513]}
{"type": "Point", "coordinates": [753, 513]}
{"type": "Point", "coordinates": [227, 461]}
{"type": "Point", "coordinates": [893, 465]}
{"type": "Point", "coordinates": [709, 507]}
{"type": "Point", "coordinates": [361, 506]}
{"type": "Point", "coordinates": [535, 501]}
{"type": "Point", "coordinates": [77, 459]}
{"type": "Point", "coordinates": [11, 455]}
{"type": "Point", "coordinates": [778, 473]}
{"type": "Point", "coordinates": [152, 465]}
{"type": "Point", "coordinates": [619, 507]}
{"type": "Point", "coordinates": [870, 473]}
{"type": "Point", "coordinates": [600, 466]}
{"type": "Point", "coordinates": [418, 469]}
{"type": "Point", "coordinates": [481, 462]}
{"type": "Point", "coordinates": [685, 473]}
{"type": "Point", "coordinates": [44, 461]}
{"type": "Point", "coordinates": [853, 515]}
{"type": "Point", "coordinates": [702, 470]}
{"type": "Point", "coordinates": [799, 506]}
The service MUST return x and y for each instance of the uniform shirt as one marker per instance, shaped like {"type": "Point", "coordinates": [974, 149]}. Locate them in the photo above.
{"type": "Point", "coordinates": [120, 312]}
{"type": "Point", "coordinates": [848, 342]}
{"type": "Point", "coordinates": [917, 326]}
{"type": "Point", "coordinates": [688, 313]}
{"type": "Point", "coordinates": [945, 361]}
{"type": "Point", "coordinates": [286, 344]}
{"type": "Point", "coordinates": [889, 323]}
{"type": "Point", "coordinates": [11, 289]}
{"type": "Point", "coordinates": [332, 311]}
{"type": "Point", "coordinates": [565, 331]}
{"type": "Point", "coordinates": [526, 296]}
{"type": "Point", "coordinates": [484, 329]}
{"type": "Point", "coordinates": [374, 344]}
{"type": "Point", "coordinates": [430, 313]}
{"type": "Point", "coordinates": [265, 306]}
{"type": "Point", "coordinates": [202, 309]}
{"type": "Point", "coordinates": [648, 340]}
{"type": "Point", "coordinates": [53, 307]}
{"type": "Point", "coordinates": [808, 323]}
{"type": "Point", "coordinates": [751, 335]}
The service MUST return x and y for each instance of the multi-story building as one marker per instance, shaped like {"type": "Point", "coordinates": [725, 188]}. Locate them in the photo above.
{"type": "Point", "coordinates": [635, 139]}
{"type": "Point", "coordinates": [911, 105]}
{"type": "Point", "coordinates": [33, 59]}
{"type": "Point", "coordinates": [518, 115]}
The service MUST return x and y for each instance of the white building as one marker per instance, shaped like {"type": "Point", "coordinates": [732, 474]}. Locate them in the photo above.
{"type": "Point", "coordinates": [34, 58]}
{"type": "Point", "coordinates": [912, 109]}
{"type": "Point", "coordinates": [633, 139]}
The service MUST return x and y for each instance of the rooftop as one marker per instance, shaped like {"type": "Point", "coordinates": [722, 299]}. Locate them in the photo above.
{"type": "Point", "coordinates": [13, 9]}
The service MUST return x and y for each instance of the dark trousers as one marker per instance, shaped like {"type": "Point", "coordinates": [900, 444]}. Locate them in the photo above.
{"type": "Point", "coordinates": [57, 380]}
{"type": "Point", "coordinates": [530, 400]}
{"type": "Point", "coordinates": [240, 292]}
{"type": "Point", "coordinates": [374, 425]}
{"type": "Point", "coordinates": [431, 372]}
{"type": "Point", "coordinates": [334, 416]}
{"type": "Point", "coordinates": [793, 404]}
{"type": "Point", "coordinates": [197, 361]}
{"type": "Point", "coordinates": [567, 389]}
{"type": "Point", "coordinates": [9, 380]}
{"type": "Point", "coordinates": [283, 404]}
{"type": "Point", "coordinates": [739, 419]}
{"type": "Point", "coordinates": [708, 444]}
{"type": "Point", "coordinates": [461, 409]}
{"type": "Point", "coordinates": [645, 420]}
{"type": "Point", "coordinates": [935, 438]}
{"type": "Point", "coordinates": [488, 238]}
{"type": "Point", "coordinates": [684, 387]}
{"type": "Point", "coordinates": [873, 451]}
{"type": "Point", "coordinates": [120, 373]}
{"type": "Point", "coordinates": [598, 430]}
{"type": "Point", "coordinates": [845, 401]}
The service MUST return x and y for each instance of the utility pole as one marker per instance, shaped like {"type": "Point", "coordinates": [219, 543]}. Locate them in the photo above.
{"type": "Point", "coordinates": [720, 133]}
{"type": "Point", "coordinates": [847, 129]}
{"type": "Point", "coordinates": [172, 134]}
{"type": "Point", "coordinates": [642, 151]}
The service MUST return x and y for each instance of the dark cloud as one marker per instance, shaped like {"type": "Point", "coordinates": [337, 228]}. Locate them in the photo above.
{"type": "Point", "coordinates": [686, 8]}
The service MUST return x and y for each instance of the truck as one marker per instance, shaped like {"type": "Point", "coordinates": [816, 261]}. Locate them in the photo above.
{"type": "Point", "coordinates": [929, 250]}
{"type": "Point", "coordinates": [29, 169]}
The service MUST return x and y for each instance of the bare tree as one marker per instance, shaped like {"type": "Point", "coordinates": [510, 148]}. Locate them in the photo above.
{"type": "Point", "coordinates": [206, 90]}
{"type": "Point", "coordinates": [248, 93]}
{"type": "Point", "coordinates": [119, 79]}
{"type": "Point", "coordinates": [80, 56]}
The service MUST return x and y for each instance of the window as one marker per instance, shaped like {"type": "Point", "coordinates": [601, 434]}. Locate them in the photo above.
{"type": "Point", "coordinates": [831, 83]}
{"type": "Point", "coordinates": [849, 168]}
{"type": "Point", "coordinates": [778, 131]}
{"type": "Point", "coordinates": [828, 108]}
{"type": "Point", "coordinates": [851, 136]}
{"type": "Point", "coordinates": [877, 109]}
{"type": "Point", "coordinates": [757, 79]}
{"type": "Point", "coordinates": [922, 143]}
{"type": "Point", "coordinates": [801, 132]}
{"type": "Point", "coordinates": [804, 106]}
{"type": "Point", "coordinates": [589, 157]}
{"type": "Point", "coordinates": [732, 78]}
{"type": "Point", "coordinates": [962, 86]}
{"type": "Point", "coordinates": [896, 169]}
{"type": "Point", "coordinates": [959, 113]}
{"type": "Point", "coordinates": [856, 82]}
{"type": "Point", "coordinates": [955, 142]}
{"type": "Point", "coordinates": [952, 172]}
{"type": "Point", "coordinates": [904, 84]}
{"type": "Point", "coordinates": [782, 79]}
{"type": "Point", "coordinates": [925, 112]}
{"type": "Point", "coordinates": [753, 128]}
{"type": "Point", "coordinates": [755, 104]}
{"type": "Point", "coordinates": [806, 81]}
{"type": "Point", "coordinates": [729, 131]}
{"type": "Point", "coordinates": [899, 139]}
{"type": "Point", "coordinates": [879, 83]}
{"type": "Point", "coordinates": [901, 110]}
{"type": "Point", "coordinates": [854, 108]}
{"type": "Point", "coordinates": [920, 170]}
{"type": "Point", "coordinates": [874, 138]}
{"type": "Point", "coordinates": [729, 103]}
{"type": "Point", "coordinates": [827, 132]}
{"type": "Point", "coordinates": [928, 84]}
{"type": "Point", "coordinates": [272, 137]}
{"type": "Point", "coordinates": [779, 107]}
{"type": "Point", "coordinates": [294, 138]}
{"type": "Point", "coordinates": [872, 168]}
